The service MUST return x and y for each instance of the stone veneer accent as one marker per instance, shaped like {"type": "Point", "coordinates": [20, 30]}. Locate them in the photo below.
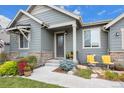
{"type": "Point", "coordinates": [38, 56]}
{"type": "Point", "coordinates": [117, 57]}
{"type": "Point", "coordinates": [42, 57]}
{"type": "Point", "coordinates": [14, 54]}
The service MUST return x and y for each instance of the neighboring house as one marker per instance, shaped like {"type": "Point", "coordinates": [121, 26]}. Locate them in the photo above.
{"type": "Point", "coordinates": [4, 41]}
{"type": "Point", "coordinates": [50, 32]}
{"type": "Point", "coordinates": [4, 37]}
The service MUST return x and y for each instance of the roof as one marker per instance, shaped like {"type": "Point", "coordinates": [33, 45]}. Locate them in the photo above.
{"type": "Point", "coordinates": [27, 14]}
{"type": "Point", "coordinates": [114, 21]}
{"type": "Point", "coordinates": [102, 22]}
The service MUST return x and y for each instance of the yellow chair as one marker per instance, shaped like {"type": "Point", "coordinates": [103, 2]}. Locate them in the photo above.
{"type": "Point", "coordinates": [91, 59]}
{"type": "Point", "coordinates": [106, 59]}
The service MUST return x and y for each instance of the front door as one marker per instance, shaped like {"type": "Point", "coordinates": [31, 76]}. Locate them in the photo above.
{"type": "Point", "coordinates": [60, 45]}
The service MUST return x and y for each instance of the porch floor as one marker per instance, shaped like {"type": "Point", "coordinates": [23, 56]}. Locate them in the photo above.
{"type": "Point", "coordinates": [45, 74]}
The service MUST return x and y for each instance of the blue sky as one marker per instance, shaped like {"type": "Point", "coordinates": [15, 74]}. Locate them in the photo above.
{"type": "Point", "coordinates": [89, 13]}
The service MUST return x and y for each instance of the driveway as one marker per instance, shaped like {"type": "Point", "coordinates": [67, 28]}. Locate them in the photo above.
{"type": "Point", "coordinates": [45, 74]}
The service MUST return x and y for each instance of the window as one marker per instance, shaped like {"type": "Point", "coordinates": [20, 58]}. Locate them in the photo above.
{"type": "Point", "coordinates": [91, 38]}
{"type": "Point", "coordinates": [23, 42]}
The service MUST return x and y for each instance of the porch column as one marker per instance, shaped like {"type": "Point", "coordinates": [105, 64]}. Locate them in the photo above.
{"type": "Point", "coordinates": [74, 44]}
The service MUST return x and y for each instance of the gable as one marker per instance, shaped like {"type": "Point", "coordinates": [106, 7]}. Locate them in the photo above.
{"type": "Point", "coordinates": [22, 14]}
{"type": "Point", "coordinates": [49, 15]}
{"type": "Point", "coordinates": [114, 21]}
{"type": "Point", "coordinates": [39, 9]}
{"type": "Point", "coordinates": [118, 25]}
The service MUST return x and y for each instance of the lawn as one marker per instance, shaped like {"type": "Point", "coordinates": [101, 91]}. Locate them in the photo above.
{"type": "Point", "coordinates": [18, 82]}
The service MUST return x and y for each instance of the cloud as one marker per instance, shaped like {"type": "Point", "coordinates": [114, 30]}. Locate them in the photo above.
{"type": "Point", "coordinates": [62, 6]}
{"type": "Point", "coordinates": [76, 11]}
{"type": "Point", "coordinates": [116, 11]}
{"type": "Point", "coordinates": [101, 12]}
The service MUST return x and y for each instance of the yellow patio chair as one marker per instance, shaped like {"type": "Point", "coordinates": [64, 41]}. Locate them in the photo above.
{"type": "Point", "coordinates": [91, 59]}
{"type": "Point", "coordinates": [106, 59]}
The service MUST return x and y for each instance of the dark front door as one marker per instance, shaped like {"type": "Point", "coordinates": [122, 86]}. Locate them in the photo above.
{"type": "Point", "coordinates": [60, 45]}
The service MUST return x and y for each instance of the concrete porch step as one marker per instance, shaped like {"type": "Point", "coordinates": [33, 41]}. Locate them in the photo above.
{"type": "Point", "coordinates": [52, 62]}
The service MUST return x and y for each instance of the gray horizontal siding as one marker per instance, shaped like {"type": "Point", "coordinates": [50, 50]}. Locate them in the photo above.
{"type": "Point", "coordinates": [35, 40]}
{"type": "Point", "coordinates": [53, 17]}
{"type": "Point", "coordinates": [98, 51]}
{"type": "Point", "coordinates": [116, 41]}
{"type": "Point", "coordinates": [47, 40]}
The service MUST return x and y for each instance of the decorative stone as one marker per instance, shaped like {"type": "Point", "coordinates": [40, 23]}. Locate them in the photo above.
{"type": "Point", "coordinates": [81, 67]}
{"type": "Point", "coordinates": [94, 76]}
{"type": "Point", "coordinates": [70, 72]}
{"type": "Point", "coordinates": [74, 69]}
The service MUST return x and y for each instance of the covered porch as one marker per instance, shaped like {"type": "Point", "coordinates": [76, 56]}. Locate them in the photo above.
{"type": "Point", "coordinates": [64, 40]}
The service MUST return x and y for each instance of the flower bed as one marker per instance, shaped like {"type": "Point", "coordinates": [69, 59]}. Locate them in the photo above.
{"type": "Point", "coordinates": [24, 66]}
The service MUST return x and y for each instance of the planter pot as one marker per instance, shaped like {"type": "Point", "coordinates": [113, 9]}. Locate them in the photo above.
{"type": "Point", "coordinates": [27, 73]}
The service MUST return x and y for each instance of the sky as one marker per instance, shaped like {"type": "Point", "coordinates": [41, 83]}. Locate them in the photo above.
{"type": "Point", "coordinates": [89, 13]}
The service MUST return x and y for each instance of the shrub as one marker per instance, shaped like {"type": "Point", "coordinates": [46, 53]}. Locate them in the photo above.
{"type": "Point", "coordinates": [32, 60]}
{"type": "Point", "coordinates": [111, 75]}
{"type": "Point", "coordinates": [121, 77]}
{"type": "Point", "coordinates": [27, 68]}
{"type": "Point", "coordinates": [85, 73]}
{"type": "Point", "coordinates": [66, 65]}
{"type": "Point", "coordinates": [21, 65]}
{"type": "Point", "coordinates": [119, 67]}
{"type": "Point", "coordinates": [8, 68]}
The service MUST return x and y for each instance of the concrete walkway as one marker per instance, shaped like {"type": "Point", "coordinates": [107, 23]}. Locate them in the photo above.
{"type": "Point", "coordinates": [45, 74]}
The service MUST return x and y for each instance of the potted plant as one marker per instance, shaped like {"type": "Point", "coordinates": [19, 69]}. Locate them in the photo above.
{"type": "Point", "coordinates": [27, 71]}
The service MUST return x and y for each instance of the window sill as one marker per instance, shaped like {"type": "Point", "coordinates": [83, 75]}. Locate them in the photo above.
{"type": "Point", "coordinates": [91, 47]}
{"type": "Point", "coordinates": [23, 48]}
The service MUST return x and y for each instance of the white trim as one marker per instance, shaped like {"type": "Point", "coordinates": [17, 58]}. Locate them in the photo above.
{"type": "Point", "coordinates": [29, 36]}
{"type": "Point", "coordinates": [91, 46]}
{"type": "Point", "coordinates": [116, 51]}
{"type": "Point", "coordinates": [55, 51]}
{"type": "Point", "coordinates": [18, 13]}
{"type": "Point", "coordinates": [74, 32]}
{"type": "Point", "coordinates": [114, 21]}
{"type": "Point", "coordinates": [61, 24]}
{"type": "Point", "coordinates": [23, 19]}
{"type": "Point", "coordinates": [122, 38]}
{"type": "Point", "coordinates": [17, 27]}
{"type": "Point", "coordinates": [60, 10]}
{"type": "Point", "coordinates": [27, 14]}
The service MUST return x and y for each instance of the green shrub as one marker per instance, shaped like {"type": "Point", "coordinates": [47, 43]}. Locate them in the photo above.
{"type": "Point", "coordinates": [8, 68]}
{"type": "Point", "coordinates": [111, 75]}
{"type": "Point", "coordinates": [121, 77]}
{"type": "Point", "coordinates": [32, 60]}
{"type": "Point", "coordinates": [85, 73]}
{"type": "Point", "coordinates": [66, 65]}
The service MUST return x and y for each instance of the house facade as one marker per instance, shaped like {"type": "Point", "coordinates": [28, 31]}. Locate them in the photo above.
{"type": "Point", "coordinates": [49, 32]}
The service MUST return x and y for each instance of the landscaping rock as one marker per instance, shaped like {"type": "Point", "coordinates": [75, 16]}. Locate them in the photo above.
{"type": "Point", "coordinates": [74, 69]}
{"type": "Point", "coordinates": [81, 67]}
{"type": "Point", "coordinates": [70, 72]}
{"type": "Point", "coordinates": [94, 76]}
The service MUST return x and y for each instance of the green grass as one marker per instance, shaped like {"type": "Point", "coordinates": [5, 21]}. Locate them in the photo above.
{"type": "Point", "coordinates": [84, 73]}
{"type": "Point", "coordinates": [18, 82]}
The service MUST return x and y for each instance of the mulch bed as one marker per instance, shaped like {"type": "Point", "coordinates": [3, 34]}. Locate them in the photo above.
{"type": "Point", "coordinates": [59, 70]}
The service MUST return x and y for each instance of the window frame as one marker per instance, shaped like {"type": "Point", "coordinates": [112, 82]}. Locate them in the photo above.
{"type": "Point", "coordinates": [96, 28]}
{"type": "Point", "coordinates": [19, 42]}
